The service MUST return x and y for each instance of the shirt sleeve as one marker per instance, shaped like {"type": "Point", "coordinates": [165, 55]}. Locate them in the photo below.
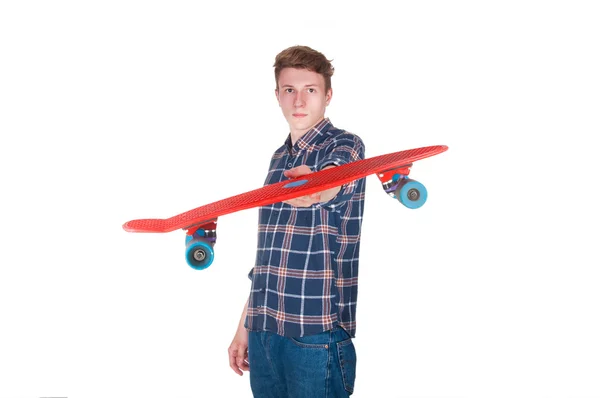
{"type": "Point", "coordinates": [345, 148]}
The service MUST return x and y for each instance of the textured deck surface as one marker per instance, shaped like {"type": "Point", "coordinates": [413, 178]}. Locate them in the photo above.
{"type": "Point", "coordinates": [274, 193]}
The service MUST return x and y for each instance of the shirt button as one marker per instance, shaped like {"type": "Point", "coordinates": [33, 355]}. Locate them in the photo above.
{"type": "Point", "coordinates": [289, 165]}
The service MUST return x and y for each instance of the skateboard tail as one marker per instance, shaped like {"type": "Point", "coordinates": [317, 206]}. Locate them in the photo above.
{"type": "Point", "coordinates": [146, 225]}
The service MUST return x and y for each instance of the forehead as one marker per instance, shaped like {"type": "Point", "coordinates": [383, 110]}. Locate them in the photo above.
{"type": "Point", "coordinates": [300, 77]}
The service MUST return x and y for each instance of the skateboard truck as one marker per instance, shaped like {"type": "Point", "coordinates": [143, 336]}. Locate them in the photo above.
{"type": "Point", "coordinates": [395, 182]}
{"type": "Point", "coordinates": [199, 243]}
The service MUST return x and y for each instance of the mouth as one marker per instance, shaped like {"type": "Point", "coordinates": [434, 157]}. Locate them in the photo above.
{"type": "Point", "coordinates": [299, 115]}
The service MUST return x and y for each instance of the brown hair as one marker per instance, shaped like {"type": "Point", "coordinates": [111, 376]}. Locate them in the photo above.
{"type": "Point", "coordinates": [303, 57]}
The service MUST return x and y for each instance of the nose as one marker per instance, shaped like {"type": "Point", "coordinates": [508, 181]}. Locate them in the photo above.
{"type": "Point", "coordinates": [299, 99]}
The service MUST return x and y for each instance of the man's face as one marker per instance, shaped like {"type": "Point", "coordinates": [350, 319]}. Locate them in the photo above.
{"type": "Point", "coordinates": [302, 98]}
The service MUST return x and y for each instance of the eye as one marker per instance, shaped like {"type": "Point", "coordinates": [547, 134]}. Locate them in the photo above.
{"type": "Point", "coordinates": [312, 90]}
{"type": "Point", "coordinates": [289, 90]}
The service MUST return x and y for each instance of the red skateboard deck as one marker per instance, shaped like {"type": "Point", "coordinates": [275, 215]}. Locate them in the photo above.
{"type": "Point", "coordinates": [200, 223]}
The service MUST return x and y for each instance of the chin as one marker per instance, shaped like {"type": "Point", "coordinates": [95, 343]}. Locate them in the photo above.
{"type": "Point", "coordinates": [304, 123]}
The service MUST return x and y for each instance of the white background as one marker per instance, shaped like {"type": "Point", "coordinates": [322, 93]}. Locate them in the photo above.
{"type": "Point", "coordinates": [117, 110]}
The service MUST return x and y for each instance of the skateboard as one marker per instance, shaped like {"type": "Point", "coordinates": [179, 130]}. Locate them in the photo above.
{"type": "Point", "coordinates": [200, 223]}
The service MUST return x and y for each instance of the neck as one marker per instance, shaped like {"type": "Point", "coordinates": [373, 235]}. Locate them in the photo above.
{"type": "Point", "coordinates": [297, 134]}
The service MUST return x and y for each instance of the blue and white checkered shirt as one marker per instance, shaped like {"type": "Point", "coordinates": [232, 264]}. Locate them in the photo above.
{"type": "Point", "coordinates": [305, 278]}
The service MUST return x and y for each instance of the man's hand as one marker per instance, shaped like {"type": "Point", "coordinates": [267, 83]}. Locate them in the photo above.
{"type": "Point", "coordinates": [238, 352]}
{"type": "Point", "coordinates": [309, 200]}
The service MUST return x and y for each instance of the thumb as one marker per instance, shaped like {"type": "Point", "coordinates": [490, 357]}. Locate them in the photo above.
{"type": "Point", "coordinates": [297, 171]}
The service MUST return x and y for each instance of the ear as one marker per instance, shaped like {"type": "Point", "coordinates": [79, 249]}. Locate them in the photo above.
{"type": "Point", "coordinates": [277, 96]}
{"type": "Point", "coordinates": [328, 96]}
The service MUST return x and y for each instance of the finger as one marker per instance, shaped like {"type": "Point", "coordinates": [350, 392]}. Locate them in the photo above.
{"type": "Point", "coordinates": [296, 203]}
{"type": "Point", "coordinates": [304, 201]}
{"type": "Point", "coordinates": [233, 364]}
{"type": "Point", "coordinates": [297, 171]}
{"type": "Point", "coordinates": [245, 366]}
{"type": "Point", "coordinates": [291, 173]}
{"type": "Point", "coordinates": [246, 363]}
{"type": "Point", "coordinates": [242, 364]}
{"type": "Point", "coordinates": [241, 359]}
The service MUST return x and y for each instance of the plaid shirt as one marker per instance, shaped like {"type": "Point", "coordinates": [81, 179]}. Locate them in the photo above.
{"type": "Point", "coordinates": [305, 278]}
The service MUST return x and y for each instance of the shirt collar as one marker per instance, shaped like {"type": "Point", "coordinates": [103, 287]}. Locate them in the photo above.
{"type": "Point", "coordinates": [309, 138]}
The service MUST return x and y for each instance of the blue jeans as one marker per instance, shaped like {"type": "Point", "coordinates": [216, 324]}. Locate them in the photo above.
{"type": "Point", "coordinates": [317, 366]}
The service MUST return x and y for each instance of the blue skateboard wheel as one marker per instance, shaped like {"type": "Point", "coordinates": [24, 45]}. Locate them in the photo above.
{"type": "Point", "coordinates": [199, 254]}
{"type": "Point", "coordinates": [411, 194]}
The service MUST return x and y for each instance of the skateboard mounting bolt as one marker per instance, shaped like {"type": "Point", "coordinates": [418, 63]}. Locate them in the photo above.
{"type": "Point", "coordinates": [413, 194]}
{"type": "Point", "coordinates": [199, 255]}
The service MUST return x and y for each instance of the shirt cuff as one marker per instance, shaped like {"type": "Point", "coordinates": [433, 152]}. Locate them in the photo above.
{"type": "Point", "coordinates": [346, 191]}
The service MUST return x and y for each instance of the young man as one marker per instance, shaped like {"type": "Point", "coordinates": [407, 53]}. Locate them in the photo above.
{"type": "Point", "coordinates": [295, 333]}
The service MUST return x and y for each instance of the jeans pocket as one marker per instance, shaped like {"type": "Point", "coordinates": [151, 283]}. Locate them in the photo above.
{"type": "Point", "coordinates": [347, 358]}
{"type": "Point", "coordinates": [320, 340]}
{"type": "Point", "coordinates": [308, 343]}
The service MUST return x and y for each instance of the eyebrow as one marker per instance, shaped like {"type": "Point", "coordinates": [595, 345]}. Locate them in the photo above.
{"type": "Point", "coordinates": [308, 85]}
